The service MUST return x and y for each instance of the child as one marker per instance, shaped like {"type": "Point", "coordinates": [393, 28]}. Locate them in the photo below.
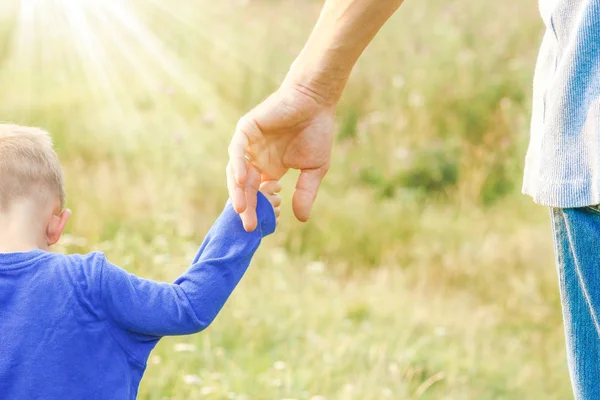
{"type": "Point", "coordinates": [77, 327]}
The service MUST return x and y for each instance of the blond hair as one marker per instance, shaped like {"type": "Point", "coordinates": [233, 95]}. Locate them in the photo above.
{"type": "Point", "coordinates": [29, 167]}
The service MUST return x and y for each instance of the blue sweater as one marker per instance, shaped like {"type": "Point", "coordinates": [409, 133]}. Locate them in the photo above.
{"type": "Point", "coordinates": [77, 327]}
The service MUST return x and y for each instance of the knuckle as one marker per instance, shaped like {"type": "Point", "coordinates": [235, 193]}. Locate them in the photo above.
{"type": "Point", "coordinates": [241, 123]}
{"type": "Point", "coordinates": [233, 144]}
{"type": "Point", "coordinates": [246, 124]}
{"type": "Point", "coordinates": [231, 150]}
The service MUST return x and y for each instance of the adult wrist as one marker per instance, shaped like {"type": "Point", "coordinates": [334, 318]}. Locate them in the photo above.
{"type": "Point", "coordinates": [323, 84]}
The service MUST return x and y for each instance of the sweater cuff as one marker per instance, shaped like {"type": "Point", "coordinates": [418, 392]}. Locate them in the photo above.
{"type": "Point", "coordinates": [267, 221]}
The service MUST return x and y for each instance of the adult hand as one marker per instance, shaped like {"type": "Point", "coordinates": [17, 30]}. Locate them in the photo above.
{"type": "Point", "coordinates": [292, 128]}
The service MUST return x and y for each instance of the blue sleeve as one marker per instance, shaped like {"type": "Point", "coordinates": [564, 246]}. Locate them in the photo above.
{"type": "Point", "coordinates": [193, 301]}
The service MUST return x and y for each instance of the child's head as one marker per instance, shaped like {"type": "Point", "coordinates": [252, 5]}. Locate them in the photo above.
{"type": "Point", "coordinates": [31, 186]}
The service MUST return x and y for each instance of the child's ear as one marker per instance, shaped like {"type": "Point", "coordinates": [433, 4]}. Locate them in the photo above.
{"type": "Point", "coordinates": [56, 226]}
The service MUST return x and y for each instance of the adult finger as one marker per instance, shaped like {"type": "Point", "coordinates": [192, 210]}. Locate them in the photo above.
{"type": "Point", "coordinates": [237, 152]}
{"type": "Point", "coordinates": [236, 191]}
{"type": "Point", "coordinates": [251, 185]}
{"type": "Point", "coordinates": [236, 175]}
{"type": "Point", "coordinates": [306, 192]}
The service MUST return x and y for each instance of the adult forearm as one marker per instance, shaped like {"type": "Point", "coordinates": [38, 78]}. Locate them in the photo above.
{"type": "Point", "coordinates": [343, 31]}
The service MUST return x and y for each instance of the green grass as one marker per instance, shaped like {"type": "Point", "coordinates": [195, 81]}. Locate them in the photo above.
{"type": "Point", "coordinates": [424, 274]}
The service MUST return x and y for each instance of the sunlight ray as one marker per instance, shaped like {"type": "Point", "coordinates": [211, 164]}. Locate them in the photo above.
{"type": "Point", "coordinates": [24, 48]}
{"type": "Point", "coordinates": [90, 50]}
{"type": "Point", "coordinates": [206, 30]}
{"type": "Point", "coordinates": [136, 67]}
{"type": "Point", "coordinates": [166, 59]}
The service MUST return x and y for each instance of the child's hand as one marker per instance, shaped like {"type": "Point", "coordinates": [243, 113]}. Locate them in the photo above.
{"type": "Point", "coordinates": [271, 191]}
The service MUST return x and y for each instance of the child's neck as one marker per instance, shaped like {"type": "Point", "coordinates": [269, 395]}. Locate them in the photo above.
{"type": "Point", "coordinates": [20, 229]}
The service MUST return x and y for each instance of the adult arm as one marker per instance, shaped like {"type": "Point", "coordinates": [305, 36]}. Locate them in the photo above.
{"type": "Point", "coordinates": [293, 128]}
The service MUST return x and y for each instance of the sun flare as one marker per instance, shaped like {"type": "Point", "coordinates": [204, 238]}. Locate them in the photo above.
{"type": "Point", "coordinates": [124, 54]}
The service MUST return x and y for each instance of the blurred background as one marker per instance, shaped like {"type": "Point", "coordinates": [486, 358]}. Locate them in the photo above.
{"type": "Point", "coordinates": [423, 274]}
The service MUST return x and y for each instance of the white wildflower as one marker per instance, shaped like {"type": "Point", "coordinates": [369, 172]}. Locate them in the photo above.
{"type": "Point", "coordinates": [416, 100]}
{"type": "Point", "coordinates": [440, 331]}
{"type": "Point", "coordinates": [279, 365]}
{"type": "Point", "coordinates": [155, 360]}
{"type": "Point", "coordinates": [315, 267]}
{"type": "Point", "coordinates": [278, 256]}
{"type": "Point", "coordinates": [184, 347]}
{"type": "Point", "coordinates": [398, 81]}
{"type": "Point", "coordinates": [402, 153]}
{"type": "Point", "coordinates": [192, 379]}
{"type": "Point", "coordinates": [207, 390]}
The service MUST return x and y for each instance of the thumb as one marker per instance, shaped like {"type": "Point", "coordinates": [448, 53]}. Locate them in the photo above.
{"type": "Point", "coordinates": [306, 192]}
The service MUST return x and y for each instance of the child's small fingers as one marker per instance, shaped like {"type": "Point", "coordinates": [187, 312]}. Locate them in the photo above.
{"type": "Point", "coordinates": [264, 186]}
{"type": "Point", "coordinates": [275, 186]}
{"type": "Point", "coordinates": [270, 187]}
{"type": "Point", "coordinates": [275, 200]}
{"type": "Point", "coordinates": [277, 211]}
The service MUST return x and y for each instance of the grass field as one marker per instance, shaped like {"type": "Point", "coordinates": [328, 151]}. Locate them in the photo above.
{"type": "Point", "coordinates": [424, 274]}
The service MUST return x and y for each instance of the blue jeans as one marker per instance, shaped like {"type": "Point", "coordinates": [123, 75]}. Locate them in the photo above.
{"type": "Point", "coordinates": [577, 249]}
